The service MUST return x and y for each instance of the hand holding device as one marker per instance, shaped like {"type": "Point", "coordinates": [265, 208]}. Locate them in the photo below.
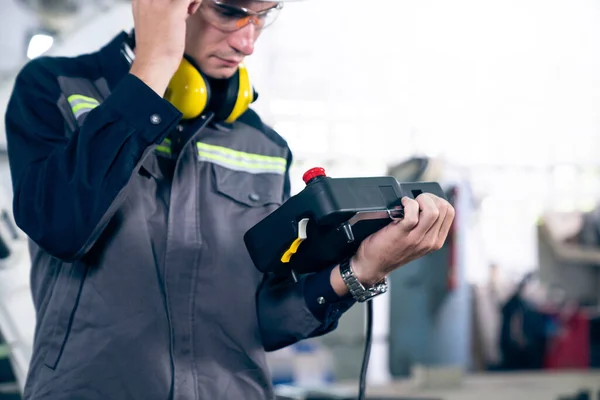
{"type": "Point", "coordinates": [160, 27]}
{"type": "Point", "coordinates": [423, 229]}
{"type": "Point", "coordinates": [377, 221]}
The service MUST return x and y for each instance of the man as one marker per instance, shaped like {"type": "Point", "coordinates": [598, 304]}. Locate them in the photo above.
{"type": "Point", "coordinates": [141, 281]}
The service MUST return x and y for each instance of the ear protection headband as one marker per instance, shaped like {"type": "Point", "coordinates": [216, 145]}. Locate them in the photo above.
{"type": "Point", "coordinates": [190, 90]}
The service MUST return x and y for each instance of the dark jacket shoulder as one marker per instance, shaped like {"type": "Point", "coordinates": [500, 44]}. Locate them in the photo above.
{"type": "Point", "coordinates": [251, 118]}
{"type": "Point", "coordinates": [44, 70]}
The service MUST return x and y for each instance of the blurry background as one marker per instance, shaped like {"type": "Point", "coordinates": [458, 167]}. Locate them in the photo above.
{"type": "Point", "coordinates": [498, 101]}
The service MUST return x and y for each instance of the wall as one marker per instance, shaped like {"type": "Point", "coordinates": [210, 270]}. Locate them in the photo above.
{"type": "Point", "coordinates": [15, 22]}
{"type": "Point", "coordinates": [510, 79]}
{"type": "Point", "coordinates": [508, 90]}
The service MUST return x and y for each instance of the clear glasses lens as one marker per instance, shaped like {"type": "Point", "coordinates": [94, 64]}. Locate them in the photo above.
{"type": "Point", "coordinates": [230, 18]}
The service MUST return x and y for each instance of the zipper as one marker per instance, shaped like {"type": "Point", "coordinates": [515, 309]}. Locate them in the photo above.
{"type": "Point", "coordinates": [204, 121]}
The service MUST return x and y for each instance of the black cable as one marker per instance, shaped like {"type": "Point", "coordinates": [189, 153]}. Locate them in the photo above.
{"type": "Point", "coordinates": [367, 353]}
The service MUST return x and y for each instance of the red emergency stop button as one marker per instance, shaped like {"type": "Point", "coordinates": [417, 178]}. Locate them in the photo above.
{"type": "Point", "coordinates": [312, 174]}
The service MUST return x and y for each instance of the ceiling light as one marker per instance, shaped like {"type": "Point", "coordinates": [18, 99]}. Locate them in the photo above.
{"type": "Point", "coordinates": [38, 45]}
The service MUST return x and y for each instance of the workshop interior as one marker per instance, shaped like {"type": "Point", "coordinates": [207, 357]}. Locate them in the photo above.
{"type": "Point", "coordinates": [496, 103]}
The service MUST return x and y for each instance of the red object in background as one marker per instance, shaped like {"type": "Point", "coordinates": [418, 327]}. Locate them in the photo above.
{"type": "Point", "coordinates": [570, 348]}
{"type": "Point", "coordinates": [313, 173]}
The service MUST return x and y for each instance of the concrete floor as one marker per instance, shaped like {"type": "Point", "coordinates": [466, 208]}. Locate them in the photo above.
{"type": "Point", "coordinates": [502, 386]}
{"type": "Point", "coordinates": [492, 386]}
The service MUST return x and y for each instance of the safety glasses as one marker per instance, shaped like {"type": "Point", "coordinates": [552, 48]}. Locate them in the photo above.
{"type": "Point", "coordinates": [230, 18]}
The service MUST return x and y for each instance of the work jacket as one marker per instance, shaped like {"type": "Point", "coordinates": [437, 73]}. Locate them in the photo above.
{"type": "Point", "coordinates": [141, 282]}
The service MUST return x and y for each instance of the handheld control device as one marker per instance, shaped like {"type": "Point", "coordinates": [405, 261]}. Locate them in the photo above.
{"type": "Point", "coordinates": [326, 222]}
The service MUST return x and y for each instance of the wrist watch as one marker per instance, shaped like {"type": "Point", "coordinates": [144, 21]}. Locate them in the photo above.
{"type": "Point", "coordinates": [357, 290]}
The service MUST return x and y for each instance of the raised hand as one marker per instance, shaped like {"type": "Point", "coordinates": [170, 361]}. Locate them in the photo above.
{"type": "Point", "coordinates": [160, 39]}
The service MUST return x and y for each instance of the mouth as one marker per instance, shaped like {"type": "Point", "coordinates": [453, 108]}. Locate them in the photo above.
{"type": "Point", "coordinates": [228, 62]}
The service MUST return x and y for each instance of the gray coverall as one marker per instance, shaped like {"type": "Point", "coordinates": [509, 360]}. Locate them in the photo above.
{"type": "Point", "coordinates": [142, 284]}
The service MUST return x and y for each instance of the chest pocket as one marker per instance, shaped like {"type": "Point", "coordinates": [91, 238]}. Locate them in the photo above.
{"type": "Point", "coordinates": [249, 179]}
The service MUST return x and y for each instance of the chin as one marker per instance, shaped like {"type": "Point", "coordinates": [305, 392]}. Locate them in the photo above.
{"type": "Point", "coordinates": [221, 73]}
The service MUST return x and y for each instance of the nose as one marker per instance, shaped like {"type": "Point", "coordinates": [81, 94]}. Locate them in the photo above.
{"type": "Point", "coordinates": [243, 39]}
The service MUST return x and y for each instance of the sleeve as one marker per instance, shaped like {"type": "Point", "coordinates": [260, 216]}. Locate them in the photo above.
{"type": "Point", "coordinates": [291, 311]}
{"type": "Point", "coordinates": [66, 188]}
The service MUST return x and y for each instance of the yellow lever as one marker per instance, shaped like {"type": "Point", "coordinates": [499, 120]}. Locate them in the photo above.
{"type": "Point", "coordinates": [285, 258]}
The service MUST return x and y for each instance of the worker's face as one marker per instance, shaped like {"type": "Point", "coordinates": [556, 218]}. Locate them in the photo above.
{"type": "Point", "coordinates": [223, 32]}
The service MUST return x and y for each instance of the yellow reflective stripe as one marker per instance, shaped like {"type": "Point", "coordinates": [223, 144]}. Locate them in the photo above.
{"type": "Point", "coordinates": [240, 155]}
{"type": "Point", "coordinates": [240, 165]}
{"type": "Point", "coordinates": [163, 149]}
{"type": "Point", "coordinates": [75, 97]}
{"type": "Point", "coordinates": [239, 160]}
{"type": "Point", "coordinates": [80, 106]}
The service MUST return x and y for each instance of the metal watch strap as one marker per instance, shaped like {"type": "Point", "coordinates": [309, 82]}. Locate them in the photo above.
{"type": "Point", "coordinates": [357, 290]}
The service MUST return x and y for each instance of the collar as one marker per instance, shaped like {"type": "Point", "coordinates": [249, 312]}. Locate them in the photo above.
{"type": "Point", "coordinates": [115, 66]}
{"type": "Point", "coordinates": [113, 63]}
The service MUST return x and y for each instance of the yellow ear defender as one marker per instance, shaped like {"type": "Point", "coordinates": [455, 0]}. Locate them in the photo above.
{"type": "Point", "coordinates": [245, 95]}
{"type": "Point", "coordinates": [189, 91]}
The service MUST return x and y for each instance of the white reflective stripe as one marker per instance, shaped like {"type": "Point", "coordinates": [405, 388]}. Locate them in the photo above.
{"type": "Point", "coordinates": [83, 108]}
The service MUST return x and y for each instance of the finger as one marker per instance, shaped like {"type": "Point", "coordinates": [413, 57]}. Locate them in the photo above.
{"type": "Point", "coordinates": [442, 208]}
{"type": "Point", "coordinates": [435, 237]}
{"type": "Point", "coordinates": [429, 214]}
{"type": "Point", "coordinates": [411, 214]}
{"type": "Point", "coordinates": [447, 223]}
